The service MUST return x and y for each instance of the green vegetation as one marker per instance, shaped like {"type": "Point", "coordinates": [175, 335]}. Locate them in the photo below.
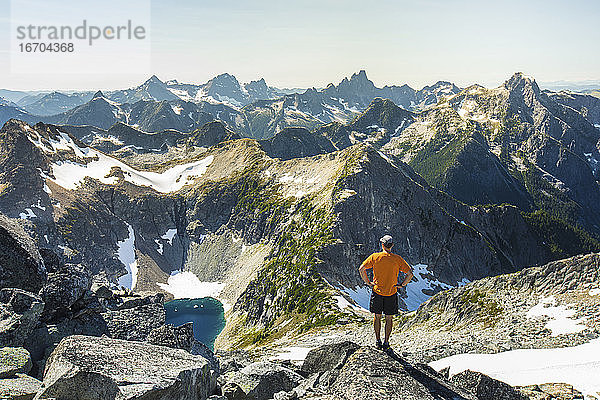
{"type": "Point", "coordinates": [563, 239]}
{"type": "Point", "coordinates": [437, 156]}
{"type": "Point", "coordinates": [290, 278]}
{"type": "Point", "coordinates": [489, 310]}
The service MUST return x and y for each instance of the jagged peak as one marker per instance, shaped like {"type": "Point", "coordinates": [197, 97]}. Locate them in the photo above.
{"type": "Point", "coordinates": [360, 75]}
{"type": "Point", "coordinates": [98, 95]}
{"type": "Point", "coordinates": [153, 79]}
{"type": "Point", "coordinates": [519, 80]}
{"type": "Point", "coordinates": [261, 83]}
{"type": "Point", "coordinates": [225, 77]}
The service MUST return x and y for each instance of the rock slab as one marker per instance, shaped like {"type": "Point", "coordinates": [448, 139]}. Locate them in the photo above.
{"type": "Point", "coordinates": [99, 368]}
{"type": "Point", "coordinates": [14, 360]}
{"type": "Point", "coordinates": [21, 265]}
{"type": "Point", "coordinates": [19, 387]}
{"type": "Point", "coordinates": [19, 314]}
{"type": "Point", "coordinates": [260, 381]}
{"type": "Point", "coordinates": [486, 388]}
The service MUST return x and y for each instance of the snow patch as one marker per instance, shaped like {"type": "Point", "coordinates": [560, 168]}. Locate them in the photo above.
{"type": "Point", "coordinates": [160, 246]}
{"type": "Point", "coordinates": [186, 285]}
{"type": "Point", "coordinates": [594, 292]}
{"type": "Point", "coordinates": [414, 290]}
{"type": "Point", "coordinates": [69, 174]}
{"type": "Point", "coordinates": [360, 295]}
{"type": "Point", "coordinates": [177, 109]}
{"type": "Point", "coordinates": [561, 321]}
{"type": "Point", "coordinates": [344, 194]}
{"type": "Point", "coordinates": [112, 139]}
{"type": "Point", "coordinates": [126, 254]}
{"type": "Point", "coordinates": [169, 235]}
{"type": "Point", "coordinates": [578, 366]}
{"type": "Point", "coordinates": [27, 214]}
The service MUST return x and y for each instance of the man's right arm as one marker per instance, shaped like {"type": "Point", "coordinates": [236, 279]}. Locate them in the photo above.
{"type": "Point", "coordinates": [363, 273]}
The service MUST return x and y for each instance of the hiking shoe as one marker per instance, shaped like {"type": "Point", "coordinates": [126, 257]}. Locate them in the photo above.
{"type": "Point", "coordinates": [386, 347]}
{"type": "Point", "coordinates": [378, 345]}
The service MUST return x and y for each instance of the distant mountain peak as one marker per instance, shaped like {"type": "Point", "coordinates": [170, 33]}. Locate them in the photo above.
{"type": "Point", "coordinates": [261, 83]}
{"type": "Point", "coordinates": [520, 80]}
{"type": "Point", "coordinates": [362, 74]}
{"type": "Point", "coordinates": [225, 77]}
{"type": "Point", "coordinates": [154, 79]}
{"type": "Point", "coordinates": [98, 95]}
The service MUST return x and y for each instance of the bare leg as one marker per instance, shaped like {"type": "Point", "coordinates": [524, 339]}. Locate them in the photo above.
{"type": "Point", "coordinates": [377, 326]}
{"type": "Point", "coordinates": [389, 322]}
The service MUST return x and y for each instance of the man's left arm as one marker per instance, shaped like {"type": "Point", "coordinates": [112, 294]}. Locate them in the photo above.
{"type": "Point", "coordinates": [407, 269]}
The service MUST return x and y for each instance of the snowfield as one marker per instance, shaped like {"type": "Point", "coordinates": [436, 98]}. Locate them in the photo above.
{"type": "Point", "coordinates": [186, 285]}
{"type": "Point", "coordinates": [69, 174]}
{"type": "Point", "coordinates": [578, 366]}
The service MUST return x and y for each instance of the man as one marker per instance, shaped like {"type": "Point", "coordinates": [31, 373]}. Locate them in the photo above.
{"type": "Point", "coordinates": [384, 298]}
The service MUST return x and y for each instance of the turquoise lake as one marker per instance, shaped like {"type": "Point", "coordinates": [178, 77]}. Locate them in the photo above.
{"type": "Point", "coordinates": [207, 314]}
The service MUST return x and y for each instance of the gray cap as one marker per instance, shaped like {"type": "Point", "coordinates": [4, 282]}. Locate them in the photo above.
{"type": "Point", "coordinates": [387, 240]}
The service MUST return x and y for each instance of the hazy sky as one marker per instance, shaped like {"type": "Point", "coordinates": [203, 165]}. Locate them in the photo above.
{"type": "Point", "coordinates": [306, 43]}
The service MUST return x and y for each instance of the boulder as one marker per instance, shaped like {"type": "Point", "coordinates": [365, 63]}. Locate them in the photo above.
{"type": "Point", "coordinates": [64, 288]}
{"type": "Point", "coordinates": [134, 323]}
{"type": "Point", "coordinates": [328, 357]}
{"type": "Point", "coordinates": [21, 265]}
{"type": "Point", "coordinates": [19, 313]}
{"type": "Point", "coordinates": [125, 302]}
{"type": "Point", "coordinates": [52, 260]}
{"type": "Point", "coordinates": [89, 317]}
{"type": "Point", "coordinates": [103, 292]}
{"type": "Point", "coordinates": [14, 360]}
{"type": "Point", "coordinates": [233, 360]}
{"type": "Point", "coordinates": [233, 391]}
{"type": "Point", "coordinates": [19, 387]}
{"type": "Point", "coordinates": [182, 337]}
{"type": "Point", "coordinates": [486, 388]}
{"type": "Point", "coordinates": [551, 391]}
{"type": "Point", "coordinates": [260, 381]}
{"type": "Point", "coordinates": [86, 367]}
{"type": "Point", "coordinates": [372, 374]}
{"type": "Point", "coordinates": [45, 337]}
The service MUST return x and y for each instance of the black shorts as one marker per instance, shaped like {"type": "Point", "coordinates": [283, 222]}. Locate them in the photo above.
{"type": "Point", "coordinates": [387, 305]}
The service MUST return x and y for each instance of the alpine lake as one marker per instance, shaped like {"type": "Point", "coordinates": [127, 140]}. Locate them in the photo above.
{"type": "Point", "coordinates": [206, 314]}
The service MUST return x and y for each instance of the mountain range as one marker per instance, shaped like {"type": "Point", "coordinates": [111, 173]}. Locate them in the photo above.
{"type": "Point", "coordinates": [273, 199]}
{"type": "Point", "coordinates": [253, 109]}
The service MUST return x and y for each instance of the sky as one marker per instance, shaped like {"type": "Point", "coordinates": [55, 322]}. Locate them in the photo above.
{"type": "Point", "coordinates": [310, 43]}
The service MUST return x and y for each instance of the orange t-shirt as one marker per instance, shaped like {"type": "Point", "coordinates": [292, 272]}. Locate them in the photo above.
{"type": "Point", "coordinates": [386, 267]}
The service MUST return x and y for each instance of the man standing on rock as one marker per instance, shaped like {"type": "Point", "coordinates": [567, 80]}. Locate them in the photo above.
{"type": "Point", "coordinates": [384, 298]}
